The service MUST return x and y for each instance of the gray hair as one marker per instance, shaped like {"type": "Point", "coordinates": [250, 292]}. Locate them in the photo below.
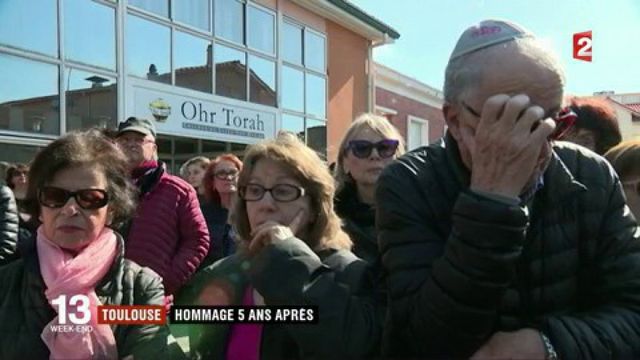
{"type": "Point", "coordinates": [465, 72]}
{"type": "Point", "coordinates": [377, 123]}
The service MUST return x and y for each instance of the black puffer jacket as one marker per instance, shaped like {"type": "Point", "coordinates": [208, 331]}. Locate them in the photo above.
{"type": "Point", "coordinates": [8, 225]}
{"type": "Point", "coordinates": [24, 310]}
{"type": "Point", "coordinates": [462, 266]}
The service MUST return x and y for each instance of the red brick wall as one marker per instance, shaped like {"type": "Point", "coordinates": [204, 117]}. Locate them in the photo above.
{"type": "Point", "coordinates": [405, 107]}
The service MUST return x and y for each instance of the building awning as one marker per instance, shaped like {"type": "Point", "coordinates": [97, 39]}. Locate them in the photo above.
{"type": "Point", "coordinates": [350, 16]}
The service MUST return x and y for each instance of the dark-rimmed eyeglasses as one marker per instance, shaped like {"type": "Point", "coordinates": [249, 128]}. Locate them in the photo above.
{"type": "Point", "coordinates": [279, 192]}
{"type": "Point", "coordinates": [88, 199]}
{"type": "Point", "coordinates": [362, 148]}
{"type": "Point", "coordinates": [565, 119]}
{"type": "Point", "coordinates": [226, 174]}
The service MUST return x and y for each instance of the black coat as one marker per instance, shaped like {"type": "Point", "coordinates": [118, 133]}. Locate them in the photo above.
{"type": "Point", "coordinates": [9, 225]}
{"type": "Point", "coordinates": [289, 273]}
{"type": "Point", "coordinates": [462, 266]}
{"type": "Point", "coordinates": [221, 235]}
{"type": "Point", "coordinates": [24, 310]}
{"type": "Point", "coordinates": [359, 222]}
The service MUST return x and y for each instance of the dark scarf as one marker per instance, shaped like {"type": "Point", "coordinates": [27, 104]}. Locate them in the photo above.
{"type": "Point", "coordinates": [348, 206]}
{"type": "Point", "coordinates": [143, 168]}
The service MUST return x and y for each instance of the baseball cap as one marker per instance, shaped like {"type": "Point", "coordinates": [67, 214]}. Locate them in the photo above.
{"type": "Point", "coordinates": [486, 34]}
{"type": "Point", "coordinates": [139, 125]}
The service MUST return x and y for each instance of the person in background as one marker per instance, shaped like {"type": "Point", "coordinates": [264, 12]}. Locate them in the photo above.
{"type": "Point", "coordinates": [168, 232]}
{"type": "Point", "coordinates": [220, 187]}
{"type": "Point", "coordinates": [369, 145]}
{"type": "Point", "coordinates": [4, 166]}
{"type": "Point", "coordinates": [18, 181]}
{"type": "Point", "coordinates": [193, 171]}
{"type": "Point", "coordinates": [9, 225]}
{"type": "Point", "coordinates": [79, 190]}
{"type": "Point", "coordinates": [625, 159]}
{"type": "Point", "coordinates": [596, 127]}
{"type": "Point", "coordinates": [499, 242]}
{"type": "Point", "coordinates": [292, 252]}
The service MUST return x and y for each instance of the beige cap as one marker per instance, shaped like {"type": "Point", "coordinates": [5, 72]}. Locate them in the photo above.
{"type": "Point", "coordinates": [486, 34]}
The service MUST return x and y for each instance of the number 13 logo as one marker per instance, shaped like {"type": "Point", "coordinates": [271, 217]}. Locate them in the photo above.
{"type": "Point", "coordinates": [582, 46]}
{"type": "Point", "coordinates": [80, 302]}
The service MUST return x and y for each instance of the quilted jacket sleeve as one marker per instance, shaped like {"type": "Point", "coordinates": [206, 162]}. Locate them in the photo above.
{"type": "Point", "coordinates": [9, 225]}
{"type": "Point", "coordinates": [608, 326]}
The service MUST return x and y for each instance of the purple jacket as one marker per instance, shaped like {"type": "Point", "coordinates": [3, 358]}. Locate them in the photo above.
{"type": "Point", "coordinates": [168, 232]}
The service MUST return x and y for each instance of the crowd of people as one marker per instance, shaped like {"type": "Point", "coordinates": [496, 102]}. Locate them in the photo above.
{"type": "Point", "coordinates": [514, 236]}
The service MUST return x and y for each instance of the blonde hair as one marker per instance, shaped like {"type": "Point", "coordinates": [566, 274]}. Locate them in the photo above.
{"type": "Point", "coordinates": [377, 123]}
{"type": "Point", "coordinates": [307, 167]}
{"type": "Point", "coordinates": [201, 161]}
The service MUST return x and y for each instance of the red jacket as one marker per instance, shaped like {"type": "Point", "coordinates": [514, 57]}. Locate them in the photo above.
{"type": "Point", "coordinates": [168, 232]}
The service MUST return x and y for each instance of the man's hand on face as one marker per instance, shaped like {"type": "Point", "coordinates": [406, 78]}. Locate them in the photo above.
{"type": "Point", "coordinates": [504, 150]}
{"type": "Point", "coordinates": [521, 344]}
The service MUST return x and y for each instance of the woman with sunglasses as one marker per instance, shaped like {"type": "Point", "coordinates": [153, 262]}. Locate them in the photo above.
{"type": "Point", "coordinates": [78, 190]}
{"type": "Point", "coordinates": [220, 183]}
{"type": "Point", "coordinates": [370, 144]}
{"type": "Point", "coordinates": [292, 252]}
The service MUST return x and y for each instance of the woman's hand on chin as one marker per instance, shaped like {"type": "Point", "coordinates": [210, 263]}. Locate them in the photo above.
{"type": "Point", "coordinates": [271, 231]}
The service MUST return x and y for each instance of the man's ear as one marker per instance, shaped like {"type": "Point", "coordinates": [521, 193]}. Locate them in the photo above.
{"type": "Point", "coordinates": [451, 114]}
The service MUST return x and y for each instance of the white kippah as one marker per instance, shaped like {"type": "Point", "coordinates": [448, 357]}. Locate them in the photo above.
{"type": "Point", "coordinates": [486, 34]}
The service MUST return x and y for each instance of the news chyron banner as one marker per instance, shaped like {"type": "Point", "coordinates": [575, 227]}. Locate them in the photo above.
{"type": "Point", "coordinates": [74, 314]}
{"type": "Point", "coordinates": [244, 314]}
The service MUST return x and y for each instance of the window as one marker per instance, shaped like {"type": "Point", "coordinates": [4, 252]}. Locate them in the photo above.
{"type": "Point", "coordinates": [294, 124]}
{"type": "Point", "coordinates": [316, 131]}
{"type": "Point", "coordinates": [159, 7]}
{"type": "Point", "coordinates": [91, 100]}
{"type": "Point", "coordinates": [314, 51]}
{"type": "Point", "coordinates": [418, 130]}
{"type": "Point", "coordinates": [260, 35]}
{"type": "Point", "coordinates": [304, 82]}
{"type": "Point", "coordinates": [315, 101]}
{"type": "Point", "coordinates": [192, 62]}
{"type": "Point", "coordinates": [17, 18]}
{"type": "Point", "coordinates": [18, 153]}
{"type": "Point", "coordinates": [192, 12]}
{"type": "Point", "coordinates": [292, 89]}
{"type": "Point", "coordinates": [291, 46]}
{"type": "Point", "coordinates": [229, 20]}
{"type": "Point", "coordinates": [29, 106]}
{"type": "Point", "coordinates": [143, 60]}
{"type": "Point", "coordinates": [262, 81]}
{"type": "Point", "coordinates": [231, 72]}
{"type": "Point", "coordinates": [96, 46]}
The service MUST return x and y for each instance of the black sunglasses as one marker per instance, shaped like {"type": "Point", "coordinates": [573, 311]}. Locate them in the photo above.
{"type": "Point", "coordinates": [565, 119]}
{"type": "Point", "coordinates": [88, 199]}
{"type": "Point", "coordinates": [362, 148]}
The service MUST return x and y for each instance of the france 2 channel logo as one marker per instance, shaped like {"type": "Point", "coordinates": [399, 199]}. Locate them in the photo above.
{"type": "Point", "coordinates": [582, 43]}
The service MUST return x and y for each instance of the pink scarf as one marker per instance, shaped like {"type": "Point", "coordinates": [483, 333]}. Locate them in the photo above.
{"type": "Point", "coordinates": [64, 274]}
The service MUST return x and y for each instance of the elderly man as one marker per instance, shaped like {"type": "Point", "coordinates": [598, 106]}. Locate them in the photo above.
{"type": "Point", "coordinates": [499, 242]}
{"type": "Point", "coordinates": [168, 232]}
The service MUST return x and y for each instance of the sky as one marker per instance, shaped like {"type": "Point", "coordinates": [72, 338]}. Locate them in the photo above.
{"type": "Point", "coordinates": [429, 30]}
